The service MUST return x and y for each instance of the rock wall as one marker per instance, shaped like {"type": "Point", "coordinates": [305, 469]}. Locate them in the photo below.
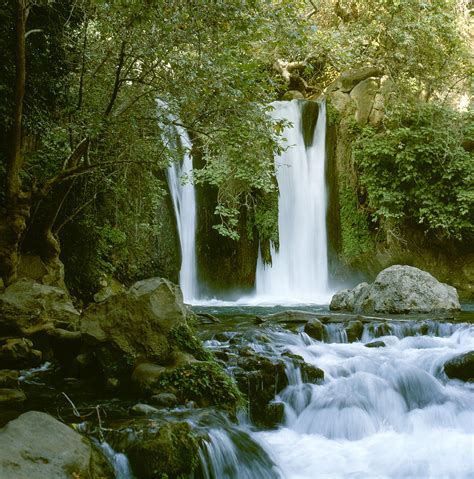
{"type": "Point", "coordinates": [224, 265]}
{"type": "Point", "coordinates": [358, 246]}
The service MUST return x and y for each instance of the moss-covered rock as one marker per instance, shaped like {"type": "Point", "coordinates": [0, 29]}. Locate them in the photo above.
{"type": "Point", "coordinates": [183, 337]}
{"type": "Point", "coordinates": [205, 382]}
{"type": "Point", "coordinates": [135, 325]}
{"type": "Point", "coordinates": [172, 453]}
{"type": "Point", "coordinates": [461, 367]}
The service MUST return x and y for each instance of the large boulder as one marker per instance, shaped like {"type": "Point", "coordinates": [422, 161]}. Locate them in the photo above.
{"type": "Point", "coordinates": [398, 290]}
{"type": "Point", "coordinates": [461, 367]}
{"type": "Point", "coordinates": [27, 307]}
{"type": "Point", "coordinates": [36, 445]}
{"type": "Point", "coordinates": [136, 324]}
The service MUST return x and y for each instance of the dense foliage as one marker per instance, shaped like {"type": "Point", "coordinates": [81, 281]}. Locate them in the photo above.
{"type": "Point", "coordinates": [417, 167]}
{"type": "Point", "coordinates": [92, 132]}
{"type": "Point", "coordinates": [94, 141]}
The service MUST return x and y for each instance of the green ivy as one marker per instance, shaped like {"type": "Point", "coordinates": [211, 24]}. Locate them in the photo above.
{"type": "Point", "coordinates": [356, 237]}
{"type": "Point", "coordinates": [419, 167]}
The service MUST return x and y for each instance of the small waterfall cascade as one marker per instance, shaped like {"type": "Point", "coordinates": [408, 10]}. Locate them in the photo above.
{"type": "Point", "coordinates": [183, 195]}
{"type": "Point", "coordinates": [388, 411]}
{"type": "Point", "coordinates": [299, 269]}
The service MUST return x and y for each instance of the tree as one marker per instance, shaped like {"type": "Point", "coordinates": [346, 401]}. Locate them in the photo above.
{"type": "Point", "coordinates": [197, 56]}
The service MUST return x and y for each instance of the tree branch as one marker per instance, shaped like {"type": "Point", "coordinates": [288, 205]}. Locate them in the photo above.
{"type": "Point", "coordinates": [117, 79]}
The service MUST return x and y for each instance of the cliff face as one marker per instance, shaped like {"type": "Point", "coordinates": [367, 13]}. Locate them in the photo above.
{"type": "Point", "coordinates": [224, 265]}
{"type": "Point", "coordinates": [357, 244]}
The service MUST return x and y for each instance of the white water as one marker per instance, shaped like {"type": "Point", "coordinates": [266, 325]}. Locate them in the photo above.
{"type": "Point", "coordinates": [183, 195]}
{"type": "Point", "coordinates": [381, 412]}
{"type": "Point", "coordinates": [118, 461]}
{"type": "Point", "coordinates": [299, 269]}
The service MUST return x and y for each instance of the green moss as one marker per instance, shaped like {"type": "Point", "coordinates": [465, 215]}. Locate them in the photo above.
{"type": "Point", "coordinates": [203, 382]}
{"type": "Point", "coordinates": [333, 117]}
{"type": "Point", "coordinates": [184, 338]}
{"type": "Point", "coordinates": [172, 453]}
{"type": "Point", "coordinates": [356, 238]}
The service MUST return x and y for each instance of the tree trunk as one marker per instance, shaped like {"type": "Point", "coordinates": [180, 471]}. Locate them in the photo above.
{"type": "Point", "coordinates": [18, 203]}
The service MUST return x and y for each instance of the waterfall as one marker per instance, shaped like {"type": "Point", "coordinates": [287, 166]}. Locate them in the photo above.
{"type": "Point", "coordinates": [381, 412]}
{"type": "Point", "coordinates": [183, 195]}
{"type": "Point", "coordinates": [299, 269]}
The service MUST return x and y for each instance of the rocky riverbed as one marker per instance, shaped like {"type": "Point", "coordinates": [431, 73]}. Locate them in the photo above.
{"type": "Point", "coordinates": [139, 385]}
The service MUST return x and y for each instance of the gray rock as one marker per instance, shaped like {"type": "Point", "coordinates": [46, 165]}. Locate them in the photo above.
{"type": "Point", "coordinates": [27, 307]}
{"type": "Point", "coordinates": [164, 400]}
{"type": "Point", "coordinates": [315, 329]}
{"type": "Point", "coordinates": [345, 300]}
{"type": "Point", "coordinates": [36, 445]}
{"type": "Point", "coordinates": [290, 316]}
{"type": "Point", "coordinates": [399, 290]}
{"type": "Point", "coordinates": [461, 367]}
{"type": "Point", "coordinates": [349, 79]}
{"type": "Point", "coordinates": [364, 96]}
{"type": "Point", "coordinates": [143, 410]}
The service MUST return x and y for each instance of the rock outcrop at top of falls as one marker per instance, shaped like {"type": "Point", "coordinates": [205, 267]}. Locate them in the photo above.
{"type": "Point", "coordinates": [398, 289]}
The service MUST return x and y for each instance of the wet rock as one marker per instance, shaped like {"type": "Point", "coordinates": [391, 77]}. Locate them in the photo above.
{"type": "Point", "coordinates": [311, 374]}
{"type": "Point", "coordinates": [375, 344]}
{"type": "Point", "coordinates": [222, 337]}
{"type": "Point", "coordinates": [222, 355]}
{"type": "Point", "coordinates": [19, 352]}
{"type": "Point", "coordinates": [27, 307]}
{"type": "Point", "coordinates": [344, 300]}
{"type": "Point", "coordinates": [9, 378]}
{"type": "Point", "coordinates": [274, 413]}
{"type": "Point", "coordinates": [36, 445]}
{"type": "Point", "coordinates": [461, 367]}
{"type": "Point", "coordinates": [172, 452]}
{"type": "Point", "coordinates": [399, 290]}
{"type": "Point", "coordinates": [135, 324]}
{"type": "Point", "coordinates": [11, 396]}
{"type": "Point", "coordinates": [354, 330]}
{"type": "Point", "coordinates": [204, 382]}
{"type": "Point", "coordinates": [260, 379]}
{"type": "Point", "coordinates": [164, 400]}
{"type": "Point", "coordinates": [315, 329]}
{"type": "Point", "coordinates": [290, 316]}
{"type": "Point", "coordinates": [143, 410]}
{"type": "Point", "coordinates": [247, 351]}
{"type": "Point", "coordinates": [147, 375]}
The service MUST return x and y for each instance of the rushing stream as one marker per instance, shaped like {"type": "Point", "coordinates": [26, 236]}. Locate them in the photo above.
{"type": "Point", "coordinates": [381, 412]}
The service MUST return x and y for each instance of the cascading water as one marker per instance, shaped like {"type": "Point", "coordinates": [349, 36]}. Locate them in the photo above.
{"type": "Point", "coordinates": [299, 269]}
{"type": "Point", "coordinates": [385, 412]}
{"type": "Point", "coordinates": [183, 195]}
